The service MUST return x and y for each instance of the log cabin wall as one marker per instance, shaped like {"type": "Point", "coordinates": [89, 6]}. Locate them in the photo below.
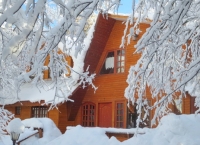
{"type": "Point", "coordinates": [54, 115]}
{"type": "Point", "coordinates": [63, 117]}
{"type": "Point", "coordinates": [111, 86]}
{"type": "Point", "coordinates": [186, 106]}
{"type": "Point", "coordinates": [25, 112]}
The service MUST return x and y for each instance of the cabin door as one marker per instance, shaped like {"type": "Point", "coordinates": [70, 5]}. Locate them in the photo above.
{"type": "Point", "coordinates": [105, 114]}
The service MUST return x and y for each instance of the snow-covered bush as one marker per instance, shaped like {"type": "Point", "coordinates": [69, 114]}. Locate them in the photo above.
{"type": "Point", "coordinates": [5, 117]}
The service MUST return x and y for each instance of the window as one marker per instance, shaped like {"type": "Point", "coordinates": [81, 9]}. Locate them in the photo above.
{"type": "Point", "coordinates": [88, 114]}
{"type": "Point", "coordinates": [119, 120]}
{"type": "Point", "coordinates": [114, 62]}
{"type": "Point", "coordinates": [39, 111]}
{"type": "Point", "coordinates": [17, 110]}
{"type": "Point", "coordinates": [132, 116]}
{"type": "Point", "coordinates": [120, 61]}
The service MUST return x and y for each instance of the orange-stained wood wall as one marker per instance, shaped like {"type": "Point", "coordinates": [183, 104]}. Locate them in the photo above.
{"type": "Point", "coordinates": [111, 87]}
{"type": "Point", "coordinates": [58, 116]}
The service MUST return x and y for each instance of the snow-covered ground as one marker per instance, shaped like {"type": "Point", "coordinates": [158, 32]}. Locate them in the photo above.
{"type": "Point", "coordinates": [172, 130]}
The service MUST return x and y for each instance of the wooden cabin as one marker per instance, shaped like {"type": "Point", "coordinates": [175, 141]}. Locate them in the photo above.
{"type": "Point", "coordinates": [107, 107]}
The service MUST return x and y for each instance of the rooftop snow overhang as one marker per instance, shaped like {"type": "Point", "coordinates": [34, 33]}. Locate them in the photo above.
{"type": "Point", "coordinates": [31, 95]}
{"type": "Point", "coordinates": [124, 17]}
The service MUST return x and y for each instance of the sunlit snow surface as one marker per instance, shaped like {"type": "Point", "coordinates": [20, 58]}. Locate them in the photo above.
{"type": "Point", "coordinates": [172, 130]}
{"type": "Point", "coordinates": [50, 131]}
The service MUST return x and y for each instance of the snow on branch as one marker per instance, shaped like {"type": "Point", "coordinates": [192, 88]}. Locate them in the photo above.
{"type": "Point", "coordinates": [30, 32]}
{"type": "Point", "coordinates": [169, 64]}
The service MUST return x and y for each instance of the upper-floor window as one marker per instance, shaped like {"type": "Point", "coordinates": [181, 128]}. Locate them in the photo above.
{"type": "Point", "coordinates": [114, 62]}
{"type": "Point", "coordinates": [39, 111]}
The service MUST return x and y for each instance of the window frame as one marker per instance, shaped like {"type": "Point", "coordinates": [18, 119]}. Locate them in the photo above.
{"type": "Point", "coordinates": [123, 108]}
{"type": "Point", "coordinates": [119, 62]}
{"type": "Point", "coordinates": [131, 116]}
{"type": "Point", "coordinates": [87, 122]}
{"type": "Point", "coordinates": [115, 62]}
{"type": "Point", "coordinates": [133, 111]}
{"type": "Point", "coordinates": [39, 109]}
{"type": "Point", "coordinates": [18, 110]}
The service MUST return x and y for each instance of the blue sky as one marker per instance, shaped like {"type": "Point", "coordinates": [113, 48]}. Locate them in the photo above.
{"type": "Point", "coordinates": [126, 6]}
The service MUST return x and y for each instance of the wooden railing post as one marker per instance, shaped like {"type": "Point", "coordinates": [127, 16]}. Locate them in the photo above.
{"type": "Point", "coordinates": [40, 130]}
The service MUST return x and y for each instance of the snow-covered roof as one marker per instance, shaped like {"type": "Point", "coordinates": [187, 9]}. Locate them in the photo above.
{"type": "Point", "coordinates": [123, 17]}
{"type": "Point", "coordinates": [33, 93]}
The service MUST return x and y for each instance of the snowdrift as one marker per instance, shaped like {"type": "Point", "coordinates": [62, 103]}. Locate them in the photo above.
{"type": "Point", "coordinates": [172, 130]}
